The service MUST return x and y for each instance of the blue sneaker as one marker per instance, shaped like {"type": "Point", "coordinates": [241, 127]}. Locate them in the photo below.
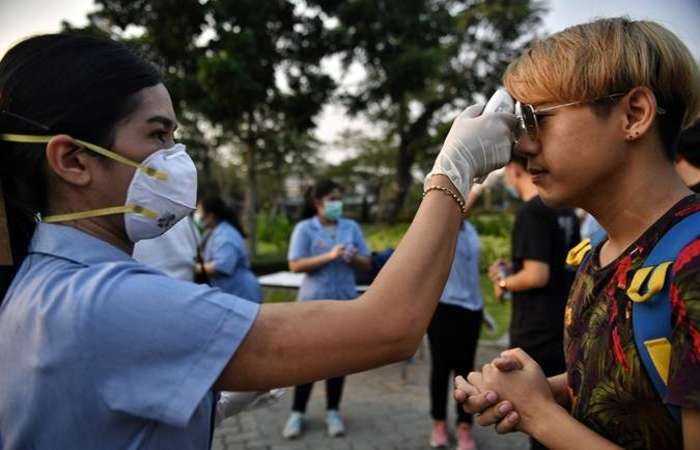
{"type": "Point", "coordinates": [294, 426]}
{"type": "Point", "coordinates": [335, 424]}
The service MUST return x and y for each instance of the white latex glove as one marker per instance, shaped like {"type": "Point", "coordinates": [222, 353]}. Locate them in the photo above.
{"type": "Point", "coordinates": [491, 180]}
{"type": "Point", "coordinates": [232, 403]}
{"type": "Point", "coordinates": [475, 145]}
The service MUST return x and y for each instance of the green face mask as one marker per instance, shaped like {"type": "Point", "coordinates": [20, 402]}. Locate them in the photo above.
{"type": "Point", "coordinates": [333, 209]}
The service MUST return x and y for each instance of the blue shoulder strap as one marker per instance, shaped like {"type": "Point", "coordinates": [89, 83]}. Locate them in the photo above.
{"type": "Point", "coordinates": [652, 318]}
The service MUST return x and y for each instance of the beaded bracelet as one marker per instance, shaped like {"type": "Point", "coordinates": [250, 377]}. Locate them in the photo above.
{"type": "Point", "coordinates": [460, 202]}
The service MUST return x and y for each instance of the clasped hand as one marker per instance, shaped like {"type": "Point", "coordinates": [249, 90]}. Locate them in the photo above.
{"type": "Point", "coordinates": [510, 392]}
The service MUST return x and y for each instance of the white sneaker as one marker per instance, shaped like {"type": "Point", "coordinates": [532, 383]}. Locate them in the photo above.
{"type": "Point", "coordinates": [294, 426]}
{"type": "Point", "coordinates": [335, 424]}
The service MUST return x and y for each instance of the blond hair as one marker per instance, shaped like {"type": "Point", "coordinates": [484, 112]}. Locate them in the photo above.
{"type": "Point", "coordinates": [607, 56]}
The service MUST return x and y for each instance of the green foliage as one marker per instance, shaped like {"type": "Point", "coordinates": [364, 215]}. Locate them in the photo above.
{"type": "Point", "coordinates": [492, 249]}
{"type": "Point", "coordinates": [499, 224]}
{"type": "Point", "coordinates": [274, 231]}
{"type": "Point", "coordinates": [224, 61]}
{"type": "Point", "coordinates": [499, 311]}
{"type": "Point", "coordinates": [424, 59]}
{"type": "Point", "coordinates": [494, 231]}
{"type": "Point", "coordinates": [279, 295]}
{"type": "Point", "coordinates": [379, 237]}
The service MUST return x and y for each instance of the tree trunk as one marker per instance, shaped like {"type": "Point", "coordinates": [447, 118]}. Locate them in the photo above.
{"type": "Point", "coordinates": [251, 199]}
{"type": "Point", "coordinates": [403, 180]}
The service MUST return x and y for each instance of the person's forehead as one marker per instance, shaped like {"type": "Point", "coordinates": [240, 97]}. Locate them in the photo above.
{"type": "Point", "coordinates": [155, 105]}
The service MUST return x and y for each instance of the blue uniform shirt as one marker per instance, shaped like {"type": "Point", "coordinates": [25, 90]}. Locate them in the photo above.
{"type": "Point", "coordinates": [334, 281]}
{"type": "Point", "coordinates": [226, 248]}
{"type": "Point", "coordinates": [99, 351]}
{"type": "Point", "coordinates": [463, 288]}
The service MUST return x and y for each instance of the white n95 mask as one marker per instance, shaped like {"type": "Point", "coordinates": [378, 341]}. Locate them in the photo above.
{"type": "Point", "coordinates": [162, 191]}
{"type": "Point", "coordinates": [171, 199]}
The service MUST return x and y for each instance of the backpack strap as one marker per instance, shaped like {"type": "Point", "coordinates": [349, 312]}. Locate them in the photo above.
{"type": "Point", "coordinates": [651, 310]}
{"type": "Point", "coordinates": [580, 254]}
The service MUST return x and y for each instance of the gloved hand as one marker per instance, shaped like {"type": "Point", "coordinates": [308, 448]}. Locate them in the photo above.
{"type": "Point", "coordinates": [491, 180]}
{"type": "Point", "coordinates": [475, 145]}
{"type": "Point", "coordinates": [232, 403]}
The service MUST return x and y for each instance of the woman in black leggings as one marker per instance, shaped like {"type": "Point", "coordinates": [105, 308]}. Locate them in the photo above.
{"type": "Point", "coordinates": [453, 335]}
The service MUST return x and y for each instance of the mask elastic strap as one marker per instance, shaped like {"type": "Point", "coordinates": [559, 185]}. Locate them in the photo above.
{"type": "Point", "coordinates": [133, 209]}
{"type": "Point", "coordinates": [36, 139]}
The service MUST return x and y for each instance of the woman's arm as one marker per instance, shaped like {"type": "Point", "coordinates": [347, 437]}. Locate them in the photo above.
{"type": "Point", "coordinates": [314, 262]}
{"type": "Point", "coordinates": [361, 262]}
{"type": "Point", "coordinates": [295, 343]}
{"type": "Point", "coordinates": [207, 267]}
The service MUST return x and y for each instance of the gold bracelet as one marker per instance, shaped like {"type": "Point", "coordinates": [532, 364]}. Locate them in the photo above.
{"type": "Point", "coordinates": [448, 191]}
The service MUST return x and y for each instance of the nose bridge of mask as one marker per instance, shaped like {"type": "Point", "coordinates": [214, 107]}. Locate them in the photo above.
{"type": "Point", "coordinates": [37, 139]}
{"type": "Point", "coordinates": [134, 209]}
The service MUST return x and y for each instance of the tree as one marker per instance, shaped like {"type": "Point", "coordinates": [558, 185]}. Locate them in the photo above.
{"type": "Point", "coordinates": [249, 69]}
{"type": "Point", "coordinates": [424, 58]}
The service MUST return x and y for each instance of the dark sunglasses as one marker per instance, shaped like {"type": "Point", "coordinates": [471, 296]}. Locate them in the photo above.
{"type": "Point", "coordinates": [527, 115]}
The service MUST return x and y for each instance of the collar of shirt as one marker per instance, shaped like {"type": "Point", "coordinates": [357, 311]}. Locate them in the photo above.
{"type": "Point", "coordinates": [316, 224]}
{"type": "Point", "coordinates": [75, 245]}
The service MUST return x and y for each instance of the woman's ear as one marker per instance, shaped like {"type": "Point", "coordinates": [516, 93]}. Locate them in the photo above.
{"type": "Point", "coordinates": [68, 161]}
{"type": "Point", "coordinates": [639, 109]}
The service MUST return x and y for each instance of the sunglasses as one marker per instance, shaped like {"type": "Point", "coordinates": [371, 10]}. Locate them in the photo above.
{"type": "Point", "coordinates": [527, 115]}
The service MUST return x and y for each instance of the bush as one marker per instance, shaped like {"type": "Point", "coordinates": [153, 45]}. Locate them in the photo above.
{"type": "Point", "coordinates": [498, 224]}
{"type": "Point", "coordinates": [493, 248]}
{"type": "Point", "coordinates": [274, 231]}
{"type": "Point", "coordinates": [379, 237]}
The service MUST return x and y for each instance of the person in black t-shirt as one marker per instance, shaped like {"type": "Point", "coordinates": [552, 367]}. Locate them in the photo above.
{"type": "Point", "coordinates": [688, 157]}
{"type": "Point", "coordinates": [539, 280]}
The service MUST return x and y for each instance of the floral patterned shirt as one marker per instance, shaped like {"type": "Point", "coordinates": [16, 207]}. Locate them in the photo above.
{"type": "Point", "coordinates": [611, 392]}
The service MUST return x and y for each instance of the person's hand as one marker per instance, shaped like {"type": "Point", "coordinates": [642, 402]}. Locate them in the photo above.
{"type": "Point", "coordinates": [496, 270]}
{"type": "Point", "coordinates": [198, 268]}
{"type": "Point", "coordinates": [527, 389]}
{"type": "Point", "coordinates": [491, 180]}
{"type": "Point", "coordinates": [475, 145]}
{"type": "Point", "coordinates": [496, 275]}
{"type": "Point", "coordinates": [476, 399]}
{"type": "Point", "coordinates": [336, 252]}
{"type": "Point", "coordinates": [349, 253]}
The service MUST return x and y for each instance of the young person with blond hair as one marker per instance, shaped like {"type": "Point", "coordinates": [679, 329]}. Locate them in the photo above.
{"type": "Point", "coordinates": [603, 104]}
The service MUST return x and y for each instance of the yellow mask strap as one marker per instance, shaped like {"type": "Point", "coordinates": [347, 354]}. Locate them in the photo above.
{"type": "Point", "coordinates": [36, 139]}
{"type": "Point", "coordinates": [134, 209]}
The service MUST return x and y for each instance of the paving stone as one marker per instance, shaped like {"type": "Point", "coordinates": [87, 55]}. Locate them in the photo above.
{"type": "Point", "coordinates": [384, 409]}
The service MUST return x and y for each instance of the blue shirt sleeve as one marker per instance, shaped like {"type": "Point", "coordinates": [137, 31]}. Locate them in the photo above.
{"type": "Point", "coordinates": [359, 240]}
{"type": "Point", "coordinates": [300, 243]}
{"type": "Point", "coordinates": [225, 257]}
{"type": "Point", "coordinates": [159, 344]}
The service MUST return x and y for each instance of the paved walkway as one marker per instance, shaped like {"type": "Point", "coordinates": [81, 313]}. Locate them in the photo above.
{"type": "Point", "coordinates": [381, 410]}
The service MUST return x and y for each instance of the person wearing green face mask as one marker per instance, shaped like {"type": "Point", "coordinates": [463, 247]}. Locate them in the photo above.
{"type": "Point", "coordinates": [325, 246]}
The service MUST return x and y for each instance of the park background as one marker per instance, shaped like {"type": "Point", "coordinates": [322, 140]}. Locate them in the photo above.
{"type": "Point", "coordinates": [272, 95]}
